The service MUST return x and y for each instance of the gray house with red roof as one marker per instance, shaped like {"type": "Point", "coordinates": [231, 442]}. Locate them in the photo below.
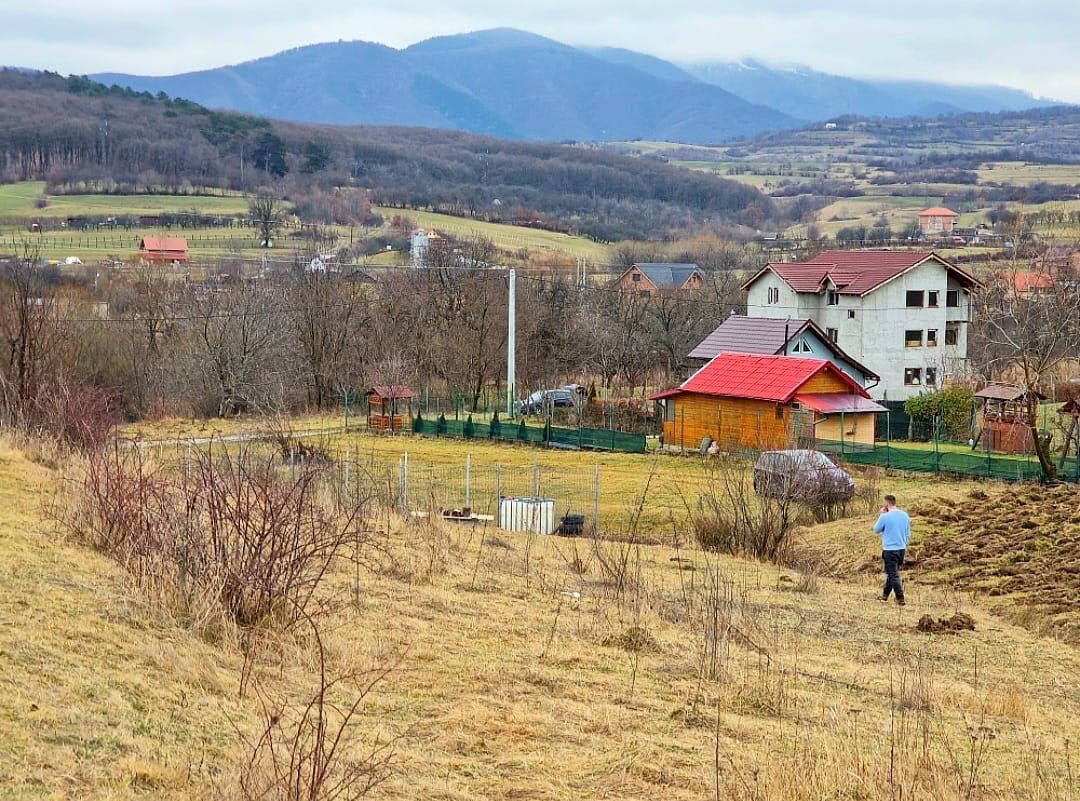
{"type": "Point", "coordinates": [903, 314]}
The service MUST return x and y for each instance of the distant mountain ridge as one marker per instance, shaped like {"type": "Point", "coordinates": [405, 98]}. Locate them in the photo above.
{"type": "Point", "coordinates": [807, 94]}
{"type": "Point", "coordinates": [518, 85]}
{"type": "Point", "coordinates": [501, 82]}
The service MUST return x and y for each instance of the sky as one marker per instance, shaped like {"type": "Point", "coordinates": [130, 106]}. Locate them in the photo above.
{"type": "Point", "coordinates": [1028, 45]}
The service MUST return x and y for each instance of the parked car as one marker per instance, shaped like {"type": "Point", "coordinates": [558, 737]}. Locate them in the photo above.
{"type": "Point", "coordinates": [543, 398]}
{"type": "Point", "coordinates": [801, 475]}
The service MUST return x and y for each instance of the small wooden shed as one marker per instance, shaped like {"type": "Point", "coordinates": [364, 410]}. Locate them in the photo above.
{"type": "Point", "coordinates": [1004, 427]}
{"type": "Point", "coordinates": [389, 407]}
{"type": "Point", "coordinates": [743, 401]}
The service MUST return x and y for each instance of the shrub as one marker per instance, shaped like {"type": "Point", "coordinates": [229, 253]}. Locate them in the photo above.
{"type": "Point", "coordinates": [951, 405]}
{"type": "Point", "coordinates": [236, 533]}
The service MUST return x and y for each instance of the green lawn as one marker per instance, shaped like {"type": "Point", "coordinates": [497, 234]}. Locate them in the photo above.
{"type": "Point", "coordinates": [17, 200]}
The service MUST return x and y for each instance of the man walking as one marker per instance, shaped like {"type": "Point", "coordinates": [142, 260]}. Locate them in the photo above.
{"type": "Point", "coordinates": [894, 526]}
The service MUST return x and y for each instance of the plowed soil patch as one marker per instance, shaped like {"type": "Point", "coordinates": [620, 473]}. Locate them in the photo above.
{"type": "Point", "coordinates": [1021, 545]}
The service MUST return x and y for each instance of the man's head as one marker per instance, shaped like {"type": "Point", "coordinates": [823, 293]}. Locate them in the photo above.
{"type": "Point", "coordinates": [890, 501]}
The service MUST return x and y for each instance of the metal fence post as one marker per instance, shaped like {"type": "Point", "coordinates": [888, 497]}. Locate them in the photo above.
{"type": "Point", "coordinates": [346, 478]}
{"type": "Point", "coordinates": [468, 479]}
{"type": "Point", "coordinates": [498, 484]}
{"type": "Point", "coordinates": [596, 501]}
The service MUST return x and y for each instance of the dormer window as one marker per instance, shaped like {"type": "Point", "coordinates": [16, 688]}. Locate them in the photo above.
{"type": "Point", "coordinates": [833, 298]}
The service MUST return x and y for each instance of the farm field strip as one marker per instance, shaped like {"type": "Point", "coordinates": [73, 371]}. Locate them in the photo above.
{"type": "Point", "coordinates": [510, 237]}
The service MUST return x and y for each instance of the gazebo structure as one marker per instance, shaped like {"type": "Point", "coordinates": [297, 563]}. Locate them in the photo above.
{"type": "Point", "coordinates": [386, 406]}
{"type": "Point", "coordinates": [1004, 427]}
{"type": "Point", "coordinates": [1071, 411]}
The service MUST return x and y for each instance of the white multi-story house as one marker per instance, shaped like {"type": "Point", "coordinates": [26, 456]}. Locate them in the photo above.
{"type": "Point", "coordinates": [902, 314]}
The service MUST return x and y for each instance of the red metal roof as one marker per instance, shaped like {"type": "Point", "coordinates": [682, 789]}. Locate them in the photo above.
{"type": "Point", "coordinates": [760, 377]}
{"type": "Point", "coordinates": [938, 211]}
{"type": "Point", "coordinates": [853, 272]}
{"type": "Point", "coordinates": [667, 393]}
{"type": "Point", "coordinates": [169, 243]}
{"type": "Point", "coordinates": [836, 402]}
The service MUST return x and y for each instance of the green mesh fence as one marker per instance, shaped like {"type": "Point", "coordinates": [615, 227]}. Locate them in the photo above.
{"type": "Point", "coordinates": [947, 459]}
{"type": "Point", "coordinates": [518, 431]}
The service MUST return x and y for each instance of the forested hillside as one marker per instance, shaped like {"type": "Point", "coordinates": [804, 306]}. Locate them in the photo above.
{"type": "Point", "coordinates": [502, 82]}
{"type": "Point", "coordinates": [75, 132]}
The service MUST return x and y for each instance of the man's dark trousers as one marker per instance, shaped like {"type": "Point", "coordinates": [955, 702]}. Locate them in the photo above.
{"type": "Point", "coordinates": [894, 560]}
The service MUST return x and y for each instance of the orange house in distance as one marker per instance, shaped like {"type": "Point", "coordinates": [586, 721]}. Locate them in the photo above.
{"type": "Point", "coordinates": [651, 278]}
{"type": "Point", "coordinates": [744, 401]}
{"type": "Point", "coordinates": [938, 221]}
{"type": "Point", "coordinates": [164, 249]}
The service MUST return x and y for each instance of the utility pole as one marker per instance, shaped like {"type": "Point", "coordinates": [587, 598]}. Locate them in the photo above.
{"type": "Point", "coordinates": [511, 343]}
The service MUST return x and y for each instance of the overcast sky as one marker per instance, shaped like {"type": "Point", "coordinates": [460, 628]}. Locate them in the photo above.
{"type": "Point", "coordinates": [1030, 45]}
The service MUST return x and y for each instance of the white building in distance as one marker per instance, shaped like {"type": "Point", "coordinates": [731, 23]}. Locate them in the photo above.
{"type": "Point", "coordinates": [902, 314]}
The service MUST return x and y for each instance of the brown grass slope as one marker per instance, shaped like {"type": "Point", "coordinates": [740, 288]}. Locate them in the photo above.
{"type": "Point", "coordinates": [524, 668]}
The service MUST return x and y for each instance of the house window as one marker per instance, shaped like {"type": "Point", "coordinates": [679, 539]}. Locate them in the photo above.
{"type": "Point", "coordinates": [952, 298]}
{"type": "Point", "coordinates": [952, 335]}
{"type": "Point", "coordinates": [779, 412]}
{"type": "Point", "coordinates": [931, 376]}
{"type": "Point", "coordinates": [774, 294]}
{"type": "Point", "coordinates": [834, 298]}
{"type": "Point", "coordinates": [851, 314]}
{"type": "Point", "coordinates": [635, 277]}
{"type": "Point", "coordinates": [913, 377]}
{"type": "Point", "coordinates": [913, 339]}
{"type": "Point", "coordinates": [914, 298]}
{"type": "Point", "coordinates": [644, 293]}
{"type": "Point", "coordinates": [931, 298]}
{"type": "Point", "coordinates": [833, 333]}
{"type": "Point", "coordinates": [802, 346]}
{"type": "Point", "coordinates": [931, 338]}
{"type": "Point", "coordinates": [669, 408]}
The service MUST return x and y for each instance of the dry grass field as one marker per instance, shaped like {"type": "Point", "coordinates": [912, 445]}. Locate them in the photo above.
{"type": "Point", "coordinates": [541, 668]}
{"type": "Point", "coordinates": [509, 237]}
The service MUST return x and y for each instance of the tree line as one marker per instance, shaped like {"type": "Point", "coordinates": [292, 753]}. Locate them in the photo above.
{"type": "Point", "coordinates": [131, 344]}
{"type": "Point", "coordinates": [129, 141]}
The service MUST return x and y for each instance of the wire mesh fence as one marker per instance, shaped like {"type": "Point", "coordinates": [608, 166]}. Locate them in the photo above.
{"type": "Point", "coordinates": [467, 491]}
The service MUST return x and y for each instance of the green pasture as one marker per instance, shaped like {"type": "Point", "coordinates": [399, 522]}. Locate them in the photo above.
{"type": "Point", "coordinates": [17, 200]}
{"type": "Point", "coordinates": [1020, 173]}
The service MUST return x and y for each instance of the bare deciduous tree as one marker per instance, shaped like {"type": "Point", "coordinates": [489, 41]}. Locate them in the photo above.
{"type": "Point", "coordinates": [266, 210]}
{"type": "Point", "coordinates": [1028, 325]}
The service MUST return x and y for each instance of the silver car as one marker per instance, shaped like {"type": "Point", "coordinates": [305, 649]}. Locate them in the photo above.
{"type": "Point", "coordinates": [801, 475]}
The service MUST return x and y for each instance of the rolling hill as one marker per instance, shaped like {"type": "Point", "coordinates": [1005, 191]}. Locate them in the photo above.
{"type": "Point", "coordinates": [156, 141]}
{"type": "Point", "coordinates": [500, 82]}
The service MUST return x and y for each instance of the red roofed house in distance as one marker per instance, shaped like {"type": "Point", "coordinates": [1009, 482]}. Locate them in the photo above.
{"type": "Point", "coordinates": [164, 249]}
{"type": "Point", "coordinates": [938, 221]}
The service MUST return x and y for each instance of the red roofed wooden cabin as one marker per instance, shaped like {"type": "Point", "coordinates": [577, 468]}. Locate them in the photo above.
{"type": "Point", "coordinates": [744, 401]}
{"type": "Point", "coordinates": [163, 249]}
{"type": "Point", "coordinates": [385, 407]}
{"type": "Point", "coordinates": [938, 221]}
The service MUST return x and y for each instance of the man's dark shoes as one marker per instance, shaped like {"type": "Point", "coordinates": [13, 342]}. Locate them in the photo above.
{"type": "Point", "coordinates": [901, 602]}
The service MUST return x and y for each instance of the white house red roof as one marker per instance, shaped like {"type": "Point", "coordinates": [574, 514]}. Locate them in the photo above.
{"type": "Point", "coordinates": [853, 272]}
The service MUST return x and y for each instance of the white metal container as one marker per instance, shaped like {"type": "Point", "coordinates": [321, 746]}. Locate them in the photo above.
{"type": "Point", "coordinates": [527, 514]}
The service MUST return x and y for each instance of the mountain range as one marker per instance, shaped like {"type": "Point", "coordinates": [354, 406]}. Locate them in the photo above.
{"type": "Point", "coordinates": [518, 85]}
